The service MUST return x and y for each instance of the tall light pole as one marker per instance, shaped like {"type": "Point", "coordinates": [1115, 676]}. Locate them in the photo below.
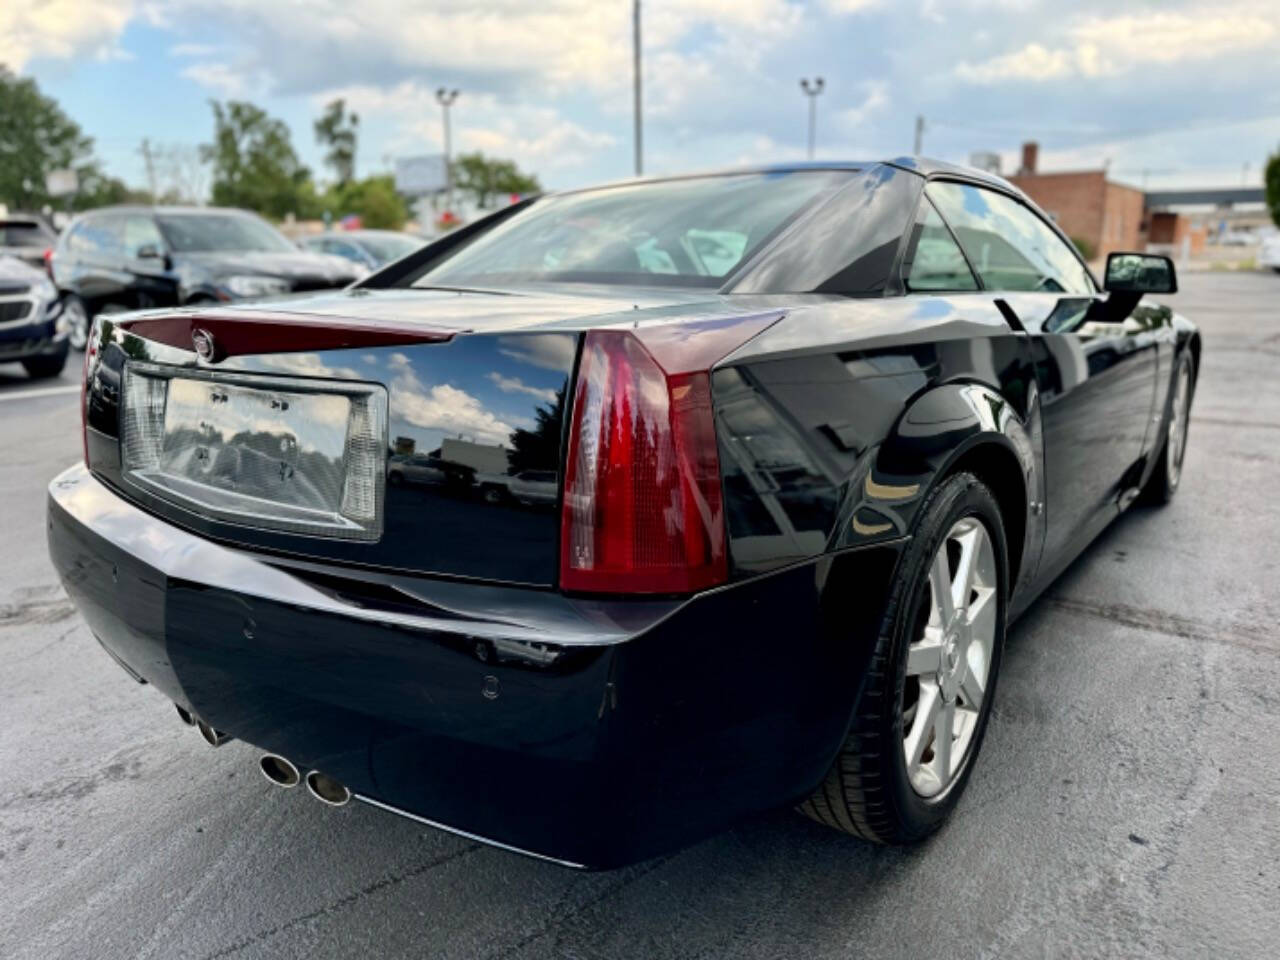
{"type": "Point", "coordinates": [918, 147]}
{"type": "Point", "coordinates": [635, 55]}
{"type": "Point", "coordinates": [445, 98]}
{"type": "Point", "coordinates": [811, 90]}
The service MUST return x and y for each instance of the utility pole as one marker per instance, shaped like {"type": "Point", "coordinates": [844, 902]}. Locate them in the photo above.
{"type": "Point", "coordinates": [145, 150]}
{"type": "Point", "coordinates": [445, 98]}
{"type": "Point", "coordinates": [811, 91]}
{"type": "Point", "coordinates": [919, 144]}
{"type": "Point", "coordinates": [635, 55]}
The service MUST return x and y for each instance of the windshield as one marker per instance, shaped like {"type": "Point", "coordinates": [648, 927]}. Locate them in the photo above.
{"type": "Point", "coordinates": [690, 232]}
{"type": "Point", "coordinates": [390, 246]}
{"type": "Point", "coordinates": [205, 232]}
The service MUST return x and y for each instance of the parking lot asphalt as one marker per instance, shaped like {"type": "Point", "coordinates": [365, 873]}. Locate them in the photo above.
{"type": "Point", "coordinates": [1126, 803]}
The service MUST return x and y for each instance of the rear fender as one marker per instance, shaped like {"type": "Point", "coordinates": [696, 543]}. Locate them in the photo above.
{"type": "Point", "coordinates": [949, 427]}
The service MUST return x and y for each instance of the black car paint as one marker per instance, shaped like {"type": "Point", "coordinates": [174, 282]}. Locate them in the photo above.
{"type": "Point", "coordinates": [675, 715]}
{"type": "Point", "coordinates": [110, 278]}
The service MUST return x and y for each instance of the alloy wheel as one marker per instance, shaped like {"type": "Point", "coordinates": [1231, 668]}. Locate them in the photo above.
{"type": "Point", "coordinates": [949, 660]}
{"type": "Point", "coordinates": [78, 321]}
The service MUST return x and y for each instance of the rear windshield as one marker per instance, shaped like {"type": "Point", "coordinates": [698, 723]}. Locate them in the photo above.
{"type": "Point", "coordinates": [690, 232]}
{"type": "Point", "coordinates": [206, 232]}
{"type": "Point", "coordinates": [390, 246]}
{"type": "Point", "coordinates": [24, 233]}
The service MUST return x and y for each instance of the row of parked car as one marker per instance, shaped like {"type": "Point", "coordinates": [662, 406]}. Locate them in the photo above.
{"type": "Point", "coordinates": [137, 257]}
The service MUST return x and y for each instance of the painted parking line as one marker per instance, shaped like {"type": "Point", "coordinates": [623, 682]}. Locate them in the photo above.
{"type": "Point", "coordinates": [40, 392]}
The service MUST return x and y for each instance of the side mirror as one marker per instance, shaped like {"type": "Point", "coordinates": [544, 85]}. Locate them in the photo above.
{"type": "Point", "coordinates": [1140, 273]}
{"type": "Point", "coordinates": [149, 251]}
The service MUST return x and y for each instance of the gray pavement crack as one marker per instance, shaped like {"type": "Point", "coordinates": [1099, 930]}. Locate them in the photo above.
{"type": "Point", "coordinates": [391, 880]}
{"type": "Point", "coordinates": [1172, 625]}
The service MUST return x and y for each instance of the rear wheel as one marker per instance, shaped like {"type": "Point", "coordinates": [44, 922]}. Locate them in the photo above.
{"type": "Point", "coordinates": [923, 711]}
{"type": "Point", "coordinates": [1166, 476]}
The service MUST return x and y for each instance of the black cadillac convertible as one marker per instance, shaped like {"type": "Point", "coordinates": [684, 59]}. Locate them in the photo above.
{"type": "Point", "coordinates": [626, 512]}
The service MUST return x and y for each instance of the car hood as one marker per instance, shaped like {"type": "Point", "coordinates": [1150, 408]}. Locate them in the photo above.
{"type": "Point", "coordinates": [288, 265]}
{"type": "Point", "coordinates": [13, 270]}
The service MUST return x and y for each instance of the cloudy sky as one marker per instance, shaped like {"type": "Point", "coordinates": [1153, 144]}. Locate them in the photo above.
{"type": "Point", "coordinates": [1188, 92]}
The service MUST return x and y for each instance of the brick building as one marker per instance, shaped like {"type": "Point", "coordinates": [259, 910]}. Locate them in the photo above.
{"type": "Point", "coordinates": [1101, 216]}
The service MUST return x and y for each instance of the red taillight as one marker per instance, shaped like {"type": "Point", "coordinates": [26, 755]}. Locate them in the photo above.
{"type": "Point", "coordinates": [643, 512]}
{"type": "Point", "coordinates": [48, 261]}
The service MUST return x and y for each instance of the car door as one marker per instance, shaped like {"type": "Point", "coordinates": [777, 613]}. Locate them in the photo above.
{"type": "Point", "coordinates": [152, 281]}
{"type": "Point", "coordinates": [94, 272]}
{"type": "Point", "coordinates": [1096, 373]}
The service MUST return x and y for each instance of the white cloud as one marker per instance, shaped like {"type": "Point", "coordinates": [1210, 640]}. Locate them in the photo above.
{"type": "Point", "coordinates": [877, 99]}
{"type": "Point", "coordinates": [62, 29]}
{"type": "Point", "coordinates": [193, 50]}
{"type": "Point", "coordinates": [443, 406]}
{"type": "Point", "coordinates": [852, 6]}
{"type": "Point", "coordinates": [1101, 46]}
{"type": "Point", "coordinates": [516, 385]}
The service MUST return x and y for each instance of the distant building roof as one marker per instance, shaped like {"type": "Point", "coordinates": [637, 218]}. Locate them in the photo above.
{"type": "Point", "coordinates": [1222, 197]}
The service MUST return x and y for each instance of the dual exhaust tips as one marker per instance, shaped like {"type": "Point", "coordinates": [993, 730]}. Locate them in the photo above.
{"type": "Point", "coordinates": [213, 737]}
{"type": "Point", "coordinates": [323, 787]}
{"type": "Point", "coordinates": [277, 769]}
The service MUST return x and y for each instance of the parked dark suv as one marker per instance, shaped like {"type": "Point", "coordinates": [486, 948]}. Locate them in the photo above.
{"type": "Point", "coordinates": [130, 258]}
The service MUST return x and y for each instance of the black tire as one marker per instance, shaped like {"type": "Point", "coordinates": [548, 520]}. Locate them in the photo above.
{"type": "Point", "coordinates": [1165, 480]}
{"type": "Point", "coordinates": [42, 367]}
{"type": "Point", "coordinates": [867, 792]}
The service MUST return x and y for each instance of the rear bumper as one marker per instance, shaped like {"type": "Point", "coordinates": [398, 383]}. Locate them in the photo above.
{"type": "Point", "coordinates": [591, 733]}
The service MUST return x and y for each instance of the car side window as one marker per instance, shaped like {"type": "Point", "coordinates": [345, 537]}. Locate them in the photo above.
{"type": "Point", "coordinates": [933, 260]}
{"type": "Point", "coordinates": [94, 235]}
{"type": "Point", "coordinates": [140, 232]}
{"type": "Point", "coordinates": [1009, 246]}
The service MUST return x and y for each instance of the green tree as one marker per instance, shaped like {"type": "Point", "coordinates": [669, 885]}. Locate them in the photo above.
{"type": "Point", "coordinates": [254, 164]}
{"type": "Point", "coordinates": [1272, 180]}
{"type": "Point", "coordinates": [534, 449]}
{"type": "Point", "coordinates": [99, 190]}
{"type": "Point", "coordinates": [374, 200]}
{"type": "Point", "coordinates": [488, 177]}
{"type": "Point", "coordinates": [35, 138]}
{"type": "Point", "coordinates": [337, 129]}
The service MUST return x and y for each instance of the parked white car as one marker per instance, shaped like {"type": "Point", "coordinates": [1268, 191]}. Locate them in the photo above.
{"type": "Point", "coordinates": [1269, 252]}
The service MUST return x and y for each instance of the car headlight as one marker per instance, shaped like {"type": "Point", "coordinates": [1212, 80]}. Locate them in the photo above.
{"type": "Point", "coordinates": [251, 286]}
{"type": "Point", "coordinates": [46, 291]}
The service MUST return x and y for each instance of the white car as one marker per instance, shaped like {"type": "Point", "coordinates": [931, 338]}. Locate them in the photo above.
{"type": "Point", "coordinates": [1269, 252]}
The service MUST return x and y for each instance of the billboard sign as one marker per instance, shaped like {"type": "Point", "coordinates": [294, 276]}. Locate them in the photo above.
{"type": "Point", "coordinates": [61, 183]}
{"type": "Point", "coordinates": [418, 175]}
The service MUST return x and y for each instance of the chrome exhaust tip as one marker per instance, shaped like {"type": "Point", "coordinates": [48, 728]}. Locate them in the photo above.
{"type": "Point", "coordinates": [214, 738]}
{"type": "Point", "coordinates": [327, 790]}
{"type": "Point", "coordinates": [185, 715]}
{"type": "Point", "coordinates": [279, 770]}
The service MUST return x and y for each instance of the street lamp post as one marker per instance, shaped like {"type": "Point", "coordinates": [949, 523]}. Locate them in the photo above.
{"type": "Point", "coordinates": [638, 116]}
{"type": "Point", "coordinates": [811, 90]}
{"type": "Point", "coordinates": [445, 98]}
